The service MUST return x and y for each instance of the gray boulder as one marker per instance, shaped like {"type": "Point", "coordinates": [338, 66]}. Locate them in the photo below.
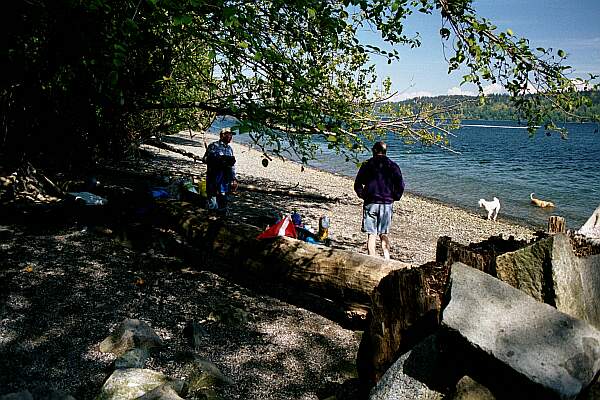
{"type": "Point", "coordinates": [203, 374]}
{"type": "Point", "coordinates": [162, 392]}
{"type": "Point", "coordinates": [50, 394]}
{"type": "Point", "coordinates": [134, 358]}
{"type": "Point", "coordinates": [131, 383]}
{"type": "Point", "coordinates": [412, 374]}
{"type": "Point", "coordinates": [516, 343]}
{"type": "Point", "coordinates": [550, 272]}
{"type": "Point", "coordinates": [129, 334]}
{"type": "Point", "coordinates": [39, 393]}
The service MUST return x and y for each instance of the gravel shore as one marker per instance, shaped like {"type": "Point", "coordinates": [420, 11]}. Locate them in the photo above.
{"type": "Point", "coordinates": [63, 288]}
{"type": "Point", "coordinates": [418, 222]}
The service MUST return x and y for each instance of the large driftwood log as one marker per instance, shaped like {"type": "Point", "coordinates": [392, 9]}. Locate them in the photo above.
{"type": "Point", "coordinates": [339, 275]}
{"type": "Point", "coordinates": [448, 252]}
{"type": "Point", "coordinates": [481, 256]}
{"type": "Point", "coordinates": [405, 309]}
{"type": "Point", "coordinates": [591, 228]}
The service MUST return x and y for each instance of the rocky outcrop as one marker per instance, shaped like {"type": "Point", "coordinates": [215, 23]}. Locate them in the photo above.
{"type": "Point", "coordinates": [510, 342]}
{"type": "Point", "coordinates": [406, 304]}
{"type": "Point", "coordinates": [550, 272]}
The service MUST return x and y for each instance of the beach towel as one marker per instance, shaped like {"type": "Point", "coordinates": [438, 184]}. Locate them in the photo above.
{"type": "Point", "coordinates": [284, 227]}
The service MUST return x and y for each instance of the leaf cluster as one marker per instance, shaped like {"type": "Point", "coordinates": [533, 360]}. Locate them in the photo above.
{"type": "Point", "coordinates": [91, 80]}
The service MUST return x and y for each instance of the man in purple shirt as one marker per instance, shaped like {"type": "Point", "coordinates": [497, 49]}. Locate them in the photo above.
{"type": "Point", "coordinates": [379, 183]}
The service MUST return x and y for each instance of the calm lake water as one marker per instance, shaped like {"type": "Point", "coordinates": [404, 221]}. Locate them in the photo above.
{"type": "Point", "coordinates": [500, 159]}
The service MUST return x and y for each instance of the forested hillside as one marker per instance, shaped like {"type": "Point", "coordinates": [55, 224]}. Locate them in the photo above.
{"type": "Point", "coordinates": [501, 107]}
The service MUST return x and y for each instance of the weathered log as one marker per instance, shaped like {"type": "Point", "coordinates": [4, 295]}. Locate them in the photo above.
{"type": "Point", "coordinates": [481, 256]}
{"type": "Point", "coordinates": [287, 192]}
{"type": "Point", "coordinates": [405, 309]}
{"type": "Point", "coordinates": [556, 224]}
{"type": "Point", "coordinates": [162, 145]}
{"type": "Point", "coordinates": [339, 275]}
{"type": "Point", "coordinates": [448, 252]}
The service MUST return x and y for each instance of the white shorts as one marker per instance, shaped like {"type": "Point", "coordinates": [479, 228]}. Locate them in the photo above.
{"type": "Point", "coordinates": [377, 218]}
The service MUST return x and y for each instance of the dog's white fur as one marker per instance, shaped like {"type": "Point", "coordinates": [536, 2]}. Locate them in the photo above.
{"type": "Point", "coordinates": [492, 207]}
{"type": "Point", "coordinates": [540, 203]}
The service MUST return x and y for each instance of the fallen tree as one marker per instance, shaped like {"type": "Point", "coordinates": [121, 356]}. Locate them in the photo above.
{"type": "Point", "coordinates": [343, 276]}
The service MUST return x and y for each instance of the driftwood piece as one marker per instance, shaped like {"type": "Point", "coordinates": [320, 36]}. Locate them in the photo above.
{"type": "Point", "coordinates": [162, 145]}
{"type": "Point", "coordinates": [232, 247]}
{"type": "Point", "coordinates": [556, 224]}
{"type": "Point", "coordinates": [591, 228]}
{"type": "Point", "coordinates": [287, 192]}
{"type": "Point", "coordinates": [448, 252]}
{"type": "Point", "coordinates": [405, 309]}
{"type": "Point", "coordinates": [481, 256]}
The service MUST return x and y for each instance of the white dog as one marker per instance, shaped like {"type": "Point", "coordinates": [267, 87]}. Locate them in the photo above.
{"type": "Point", "coordinates": [492, 207]}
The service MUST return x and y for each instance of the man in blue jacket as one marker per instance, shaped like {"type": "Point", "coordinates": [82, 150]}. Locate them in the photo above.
{"type": "Point", "coordinates": [220, 172]}
{"type": "Point", "coordinates": [379, 183]}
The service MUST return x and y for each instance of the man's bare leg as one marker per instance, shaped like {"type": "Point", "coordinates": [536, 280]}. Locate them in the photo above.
{"type": "Point", "coordinates": [385, 245]}
{"type": "Point", "coordinates": [371, 242]}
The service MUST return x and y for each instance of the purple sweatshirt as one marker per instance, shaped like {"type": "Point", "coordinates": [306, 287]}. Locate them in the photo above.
{"type": "Point", "coordinates": [379, 181]}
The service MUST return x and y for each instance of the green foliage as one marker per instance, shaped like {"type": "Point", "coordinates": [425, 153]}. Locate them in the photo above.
{"type": "Point", "coordinates": [89, 80]}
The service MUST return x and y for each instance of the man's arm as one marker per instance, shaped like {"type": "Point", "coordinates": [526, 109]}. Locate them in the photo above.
{"type": "Point", "coordinates": [233, 175]}
{"type": "Point", "coordinates": [358, 182]}
{"type": "Point", "coordinates": [398, 183]}
{"type": "Point", "coordinates": [211, 156]}
{"type": "Point", "coordinates": [234, 182]}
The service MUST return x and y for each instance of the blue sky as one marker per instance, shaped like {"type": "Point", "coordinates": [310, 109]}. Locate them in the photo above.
{"type": "Point", "coordinates": [573, 26]}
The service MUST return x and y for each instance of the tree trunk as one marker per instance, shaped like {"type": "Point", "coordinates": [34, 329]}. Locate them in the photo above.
{"type": "Point", "coordinates": [405, 310]}
{"type": "Point", "coordinates": [448, 252]}
{"type": "Point", "coordinates": [232, 247]}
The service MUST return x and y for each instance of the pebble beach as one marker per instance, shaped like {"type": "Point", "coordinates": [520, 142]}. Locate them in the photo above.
{"type": "Point", "coordinates": [417, 224]}
{"type": "Point", "coordinates": [65, 288]}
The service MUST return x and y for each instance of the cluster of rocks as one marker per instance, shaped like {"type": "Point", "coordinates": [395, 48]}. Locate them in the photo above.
{"type": "Point", "coordinates": [520, 324]}
{"type": "Point", "coordinates": [132, 342]}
